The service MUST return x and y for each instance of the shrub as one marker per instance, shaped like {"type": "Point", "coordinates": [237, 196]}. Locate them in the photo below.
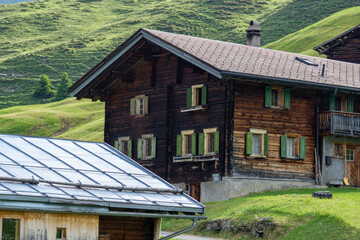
{"type": "Point", "coordinates": [62, 90]}
{"type": "Point", "coordinates": [45, 89]}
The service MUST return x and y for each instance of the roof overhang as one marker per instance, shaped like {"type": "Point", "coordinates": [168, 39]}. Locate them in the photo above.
{"type": "Point", "coordinates": [77, 88]}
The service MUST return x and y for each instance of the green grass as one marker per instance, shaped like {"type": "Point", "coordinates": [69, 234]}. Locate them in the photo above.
{"type": "Point", "coordinates": [70, 119]}
{"type": "Point", "coordinates": [297, 213]}
{"type": "Point", "coordinates": [304, 40]}
{"type": "Point", "coordinates": [55, 36]}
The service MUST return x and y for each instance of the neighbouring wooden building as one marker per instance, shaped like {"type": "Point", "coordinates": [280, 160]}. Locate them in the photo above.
{"type": "Point", "coordinates": [198, 111]}
{"type": "Point", "coordinates": [67, 189]}
{"type": "Point", "coordinates": [344, 47]}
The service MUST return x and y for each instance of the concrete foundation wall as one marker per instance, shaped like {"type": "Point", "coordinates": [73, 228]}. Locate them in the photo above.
{"type": "Point", "coordinates": [237, 187]}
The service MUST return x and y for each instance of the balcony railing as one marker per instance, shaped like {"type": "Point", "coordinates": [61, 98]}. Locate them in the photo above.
{"type": "Point", "coordinates": [340, 123]}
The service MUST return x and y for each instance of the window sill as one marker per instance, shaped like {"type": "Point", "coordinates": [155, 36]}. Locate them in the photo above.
{"type": "Point", "coordinates": [205, 158]}
{"type": "Point", "coordinates": [194, 108]}
{"type": "Point", "coordinates": [293, 158]}
{"type": "Point", "coordinates": [257, 156]}
{"type": "Point", "coordinates": [338, 157]}
{"type": "Point", "coordinates": [276, 107]}
{"type": "Point", "coordinates": [139, 115]}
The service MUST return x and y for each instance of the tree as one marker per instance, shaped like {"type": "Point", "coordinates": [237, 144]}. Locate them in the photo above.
{"type": "Point", "coordinates": [45, 89]}
{"type": "Point", "coordinates": [62, 90]}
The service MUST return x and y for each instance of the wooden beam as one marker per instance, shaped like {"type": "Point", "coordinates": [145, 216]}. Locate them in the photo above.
{"type": "Point", "coordinates": [153, 72]}
{"type": "Point", "coordinates": [179, 70]}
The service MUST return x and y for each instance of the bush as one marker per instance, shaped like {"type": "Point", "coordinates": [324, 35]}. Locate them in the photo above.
{"type": "Point", "coordinates": [45, 89]}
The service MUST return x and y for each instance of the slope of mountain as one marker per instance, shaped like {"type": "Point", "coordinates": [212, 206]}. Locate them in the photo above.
{"type": "Point", "coordinates": [305, 39]}
{"type": "Point", "coordinates": [55, 36]}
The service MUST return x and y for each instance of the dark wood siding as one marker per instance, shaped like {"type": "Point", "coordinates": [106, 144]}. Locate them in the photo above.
{"type": "Point", "coordinates": [167, 96]}
{"type": "Point", "coordinates": [119, 228]}
{"type": "Point", "coordinates": [251, 113]}
{"type": "Point", "coordinates": [348, 51]}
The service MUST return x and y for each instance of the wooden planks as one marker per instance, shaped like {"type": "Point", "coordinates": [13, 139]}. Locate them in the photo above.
{"type": "Point", "coordinates": [348, 51]}
{"type": "Point", "coordinates": [300, 118]}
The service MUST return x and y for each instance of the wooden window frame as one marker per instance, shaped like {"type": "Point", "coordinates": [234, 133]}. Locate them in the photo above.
{"type": "Point", "coordinates": [207, 132]}
{"type": "Point", "coordinates": [184, 142]}
{"type": "Point", "coordinates": [18, 234]}
{"type": "Point", "coordinates": [280, 97]}
{"type": "Point", "coordinates": [125, 140]}
{"type": "Point", "coordinates": [296, 138]}
{"type": "Point", "coordinates": [135, 108]}
{"type": "Point", "coordinates": [260, 132]}
{"type": "Point", "coordinates": [63, 233]}
{"type": "Point", "coordinates": [342, 149]}
{"type": "Point", "coordinates": [145, 139]}
{"type": "Point", "coordinates": [195, 97]}
{"type": "Point", "coordinates": [352, 148]}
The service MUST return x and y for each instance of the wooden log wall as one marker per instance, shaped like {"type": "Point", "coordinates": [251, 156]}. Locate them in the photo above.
{"type": "Point", "coordinates": [39, 225]}
{"type": "Point", "coordinates": [251, 113]}
{"type": "Point", "coordinates": [348, 51]}
{"type": "Point", "coordinates": [120, 228]}
{"type": "Point", "coordinates": [166, 90]}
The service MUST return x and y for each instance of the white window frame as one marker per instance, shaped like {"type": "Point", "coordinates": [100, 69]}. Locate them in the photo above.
{"type": "Point", "coordinates": [194, 96]}
{"type": "Point", "coordinates": [184, 142]}
{"type": "Point", "coordinates": [144, 138]}
{"type": "Point", "coordinates": [121, 142]}
{"type": "Point", "coordinates": [208, 131]}
{"type": "Point", "coordinates": [260, 132]}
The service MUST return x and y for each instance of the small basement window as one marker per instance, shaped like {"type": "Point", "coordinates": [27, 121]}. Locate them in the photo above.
{"type": "Point", "coordinates": [61, 234]}
{"type": "Point", "coordinates": [10, 229]}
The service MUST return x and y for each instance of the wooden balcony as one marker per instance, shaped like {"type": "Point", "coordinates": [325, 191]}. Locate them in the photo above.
{"type": "Point", "coordinates": [340, 123]}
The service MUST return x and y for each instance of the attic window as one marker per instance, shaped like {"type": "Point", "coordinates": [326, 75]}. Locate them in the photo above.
{"type": "Point", "coordinates": [306, 61]}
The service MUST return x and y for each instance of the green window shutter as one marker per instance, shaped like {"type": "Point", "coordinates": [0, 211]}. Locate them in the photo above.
{"type": "Point", "coordinates": [129, 143]}
{"type": "Point", "coordinates": [201, 143]}
{"type": "Point", "coordinates": [139, 148]}
{"type": "Point", "coordinates": [193, 144]}
{"type": "Point", "coordinates": [153, 147]}
{"type": "Point", "coordinates": [283, 146]}
{"type": "Point", "coordinates": [132, 106]}
{"type": "Point", "coordinates": [116, 144]}
{"type": "Point", "coordinates": [302, 148]}
{"type": "Point", "coordinates": [188, 97]}
{"type": "Point", "coordinates": [331, 102]}
{"type": "Point", "coordinates": [204, 95]}
{"type": "Point", "coordinates": [268, 96]}
{"type": "Point", "coordinates": [248, 143]}
{"type": "Point", "coordinates": [216, 142]}
{"type": "Point", "coordinates": [287, 98]}
{"type": "Point", "coordinates": [266, 144]}
{"type": "Point", "coordinates": [178, 145]}
{"type": "Point", "coordinates": [350, 103]}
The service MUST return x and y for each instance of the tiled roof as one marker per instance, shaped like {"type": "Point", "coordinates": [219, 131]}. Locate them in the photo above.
{"type": "Point", "coordinates": [84, 173]}
{"type": "Point", "coordinates": [224, 59]}
{"type": "Point", "coordinates": [242, 59]}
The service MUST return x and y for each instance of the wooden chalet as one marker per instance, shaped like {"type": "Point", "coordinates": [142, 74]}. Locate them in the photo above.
{"type": "Point", "coordinates": [199, 111]}
{"type": "Point", "coordinates": [66, 189]}
{"type": "Point", "coordinates": [344, 47]}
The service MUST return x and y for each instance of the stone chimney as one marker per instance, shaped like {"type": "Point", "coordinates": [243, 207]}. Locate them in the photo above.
{"type": "Point", "coordinates": [253, 34]}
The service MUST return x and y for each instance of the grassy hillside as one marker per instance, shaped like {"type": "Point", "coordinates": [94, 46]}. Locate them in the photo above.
{"type": "Point", "coordinates": [312, 218]}
{"type": "Point", "coordinates": [55, 36]}
{"type": "Point", "coordinates": [304, 40]}
{"type": "Point", "coordinates": [70, 119]}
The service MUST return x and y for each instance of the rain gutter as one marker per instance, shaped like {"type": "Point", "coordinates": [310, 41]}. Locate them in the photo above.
{"type": "Point", "coordinates": [289, 81]}
{"type": "Point", "coordinates": [181, 231]}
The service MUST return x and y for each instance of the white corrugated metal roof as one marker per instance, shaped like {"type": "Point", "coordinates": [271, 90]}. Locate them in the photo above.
{"type": "Point", "coordinates": [85, 173]}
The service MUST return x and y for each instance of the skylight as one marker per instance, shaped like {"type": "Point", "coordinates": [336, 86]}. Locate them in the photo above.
{"type": "Point", "coordinates": [306, 61]}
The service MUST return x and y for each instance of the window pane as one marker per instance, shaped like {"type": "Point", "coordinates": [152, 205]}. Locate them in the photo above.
{"type": "Point", "coordinates": [211, 142]}
{"type": "Point", "coordinates": [274, 97]}
{"type": "Point", "coordinates": [10, 229]}
{"type": "Point", "coordinates": [147, 147]}
{"type": "Point", "coordinates": [290, 147]}
{"type": "Point", "coordinates": [350, 154]}
{"type": "Point", "coordinates": [187, 144]}
{"type": "Point", "coordinates": [256, 144]}
{"type": "Point", "coordinates": [338, 103]}
{"type": "Point", "coordinates": [124, 147]}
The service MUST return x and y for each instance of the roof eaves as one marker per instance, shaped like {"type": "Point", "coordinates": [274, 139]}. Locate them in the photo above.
{"type": "Point", "coordinates": [323, 48]}
{"type": "Point", "coordinates": [182, 54]}
{"type": "Point", "coordinates": [290, 81]}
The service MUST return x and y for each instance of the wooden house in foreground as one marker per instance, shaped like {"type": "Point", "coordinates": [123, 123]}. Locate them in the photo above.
{"type": "Point", "coordinates": [222, 119]}
{"type": "Point", "coordinates": [66, 189]}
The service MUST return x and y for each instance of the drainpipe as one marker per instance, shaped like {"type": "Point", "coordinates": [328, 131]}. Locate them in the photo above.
{"type": "Point", "coordinates": [181, 231]}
